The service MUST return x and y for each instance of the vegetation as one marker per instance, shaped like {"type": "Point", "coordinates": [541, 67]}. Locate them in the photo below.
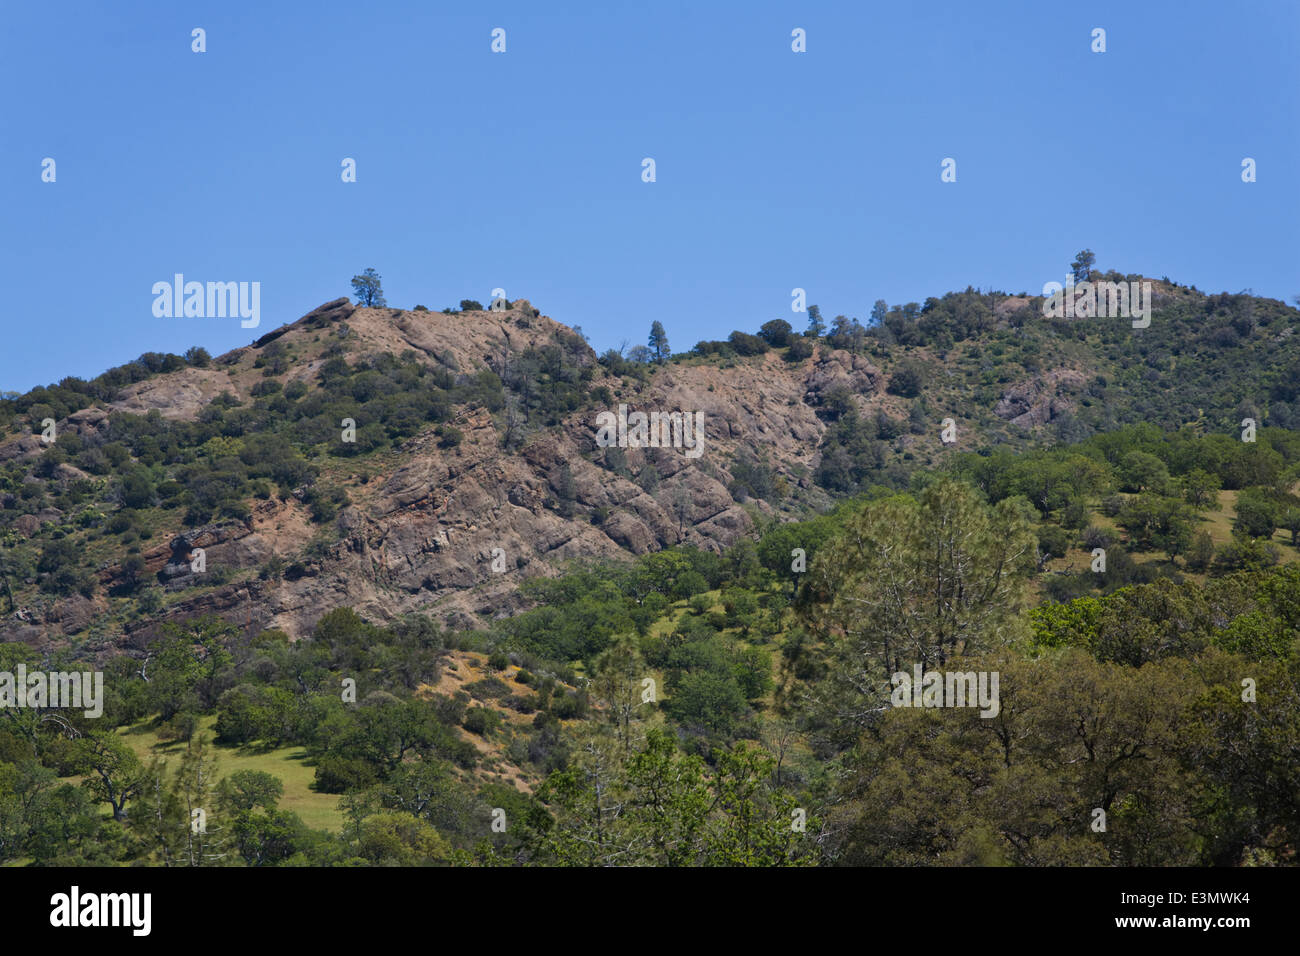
{"type": "Point", "coordinates": [1130, 572]}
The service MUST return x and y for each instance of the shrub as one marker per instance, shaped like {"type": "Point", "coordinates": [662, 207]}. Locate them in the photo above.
{"type": "Point", "coordinates": [801, 348]}
{"type": "Point", "coordinates": [907, 381]}
{"type": "Point", "coordinates": [1094, 537]}
{"type": "Point", "coordinates": [776, 333]}
{"type": "Point", "coordinates": [337, 774]}
{"type": "Point", "coordinates": [745, 344]}
{"type": "Point", "coordinates": [198, 356]}
{"type": "Point", "coordinates": [481, 721]}
{"type": "Point", "coordinates": [1053, 541]}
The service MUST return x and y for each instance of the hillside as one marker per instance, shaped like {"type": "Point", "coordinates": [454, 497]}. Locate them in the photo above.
{"type": "Point", "coordinates": [475, 431]}
{"type": "Point", "coordinates": [379, 580]}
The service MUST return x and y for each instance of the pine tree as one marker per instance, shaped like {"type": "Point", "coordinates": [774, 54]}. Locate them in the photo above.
{"type": "Point", "coordinates": [659, 343]}
{"type": "Point", "coordinates": [816, 327]}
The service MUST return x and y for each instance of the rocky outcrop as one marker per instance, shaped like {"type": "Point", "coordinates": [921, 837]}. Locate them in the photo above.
{"type": "Point", "coordinates": [842, 370]}
{"type": "Point", "coordinates": [1039, 400]}
{"type": "Point", "coordinates": [452, 530]}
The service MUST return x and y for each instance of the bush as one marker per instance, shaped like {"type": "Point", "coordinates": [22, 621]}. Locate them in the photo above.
{"type": "Point", "coordinates": [198, 356]}
{"type": "Point", "coordinates": [1094, 537]}
{"type": "Point", "coordinates": [801, 348]}
{"type": "Point", "coordinates": [907, 381]}
{"type": "Point", "coordinates": [568, 706]}
{"type": "Point", "coordinates": [337, 774]}
{"type": "Point", "coordinates": [1053, 541]}
{"type": "Point", "coordinates": [1075, 515]}
{"type": "Point", "coordinates": [490, 688]}
{"type": "Point", "coordinates": [1246, 555]}
{"type": "Point", "coordinates": [745, 344]}
{"type": "Point", "coordinates": [481, 721]}
{"type": "Point", "coordinates": [715, 347]}
{"type": "Point", "coordinates": [1201, 553]}
{"type": "Point", "coordinates": [776, 333]}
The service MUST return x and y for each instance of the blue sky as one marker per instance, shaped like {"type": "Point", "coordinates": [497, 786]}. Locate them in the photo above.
{"type": "Point", "coordinates": [522, 170]}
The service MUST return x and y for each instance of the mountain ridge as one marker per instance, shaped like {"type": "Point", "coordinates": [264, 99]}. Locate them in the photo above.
{"type": "Point", "coordinates": [511, 470]}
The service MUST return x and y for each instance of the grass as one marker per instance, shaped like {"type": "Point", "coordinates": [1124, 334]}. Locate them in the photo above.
{"type": "Point", "coordinates": [1217, 523]}
{"type": "Point", "coordinates": [317, 810]}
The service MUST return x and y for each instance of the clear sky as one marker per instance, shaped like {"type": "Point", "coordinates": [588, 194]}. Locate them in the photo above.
{"type": "Point", "coordinates": [523, 169]}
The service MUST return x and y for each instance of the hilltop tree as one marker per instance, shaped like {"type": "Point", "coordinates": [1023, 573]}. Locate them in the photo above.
{"type": "Point", "coordinates": [368, 290]}
{"type": "Point", "coordinates": [776, 333]}
{"type": "Point", "coordinates": [816, 325]}
{"type": "Point", "coordinates": [1082, 265]}
{"type": "Point", "coordinates": [878, 312]}
{"type": "Point", "coordinates": [659, 343]}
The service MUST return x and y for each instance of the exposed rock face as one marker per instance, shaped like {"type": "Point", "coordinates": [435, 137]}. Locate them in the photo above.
{"type": "Point", "coordinates": [841, 370]}
{"type": "Point", "coordinates": [421, 535]}
{"type": "Point", "coordinates": [180, 395]}
{"type": "Point", "coordinates": [21, 446]}
{"type": "Point", "coordinates": [1039, 400]}
{"type": "Point", "coordinates": [222, 545]}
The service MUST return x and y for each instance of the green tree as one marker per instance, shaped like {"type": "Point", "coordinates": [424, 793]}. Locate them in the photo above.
{"type": "Point", "coordinates": [368, 290]}
{"type": "Point", "coordinates": [776, 333]}
{"type": "Point", "coordinates": [114, 774]}
{"type": "Point", "coordinates": [1257, 513]}
{"type": "Point", "coordinates": [816, 325]}
{"type": "Point", "coordinates": [754, 824]}
{"type": "Point", "coordinates": [1291, 521]}
{"type": "Point", "coordinates": [198, 356]}
{"type": "Point", "coordinates": [707, 698]}
{"type": "Point", "coordinates": [399, 839]}
{"type": "Point", "coordinates": [246, 790]}
{"type": "Point", "coordinates": [617, 686]}
{"type": "Point", "coordinates": [1139, 471]}
{"type": "Point", "coordinates": [1201, 489]}
{"type": "Point", "coordinates": [1201, 551]}
{"type": "Point", "coordinates": [670, 799]}
{"type": "Point", "coordinates": [658, 342]}
{"type": "Point", "coordinates": [915, 581]}
{"type": "Point", "coordinates": [907, 381]}
{"type": "Point", "coordinates": [1082, 265]}
{"type": "Point", "coordinates": [878, 313]}
{"type": "Point", "coordinates": [587, 801]}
